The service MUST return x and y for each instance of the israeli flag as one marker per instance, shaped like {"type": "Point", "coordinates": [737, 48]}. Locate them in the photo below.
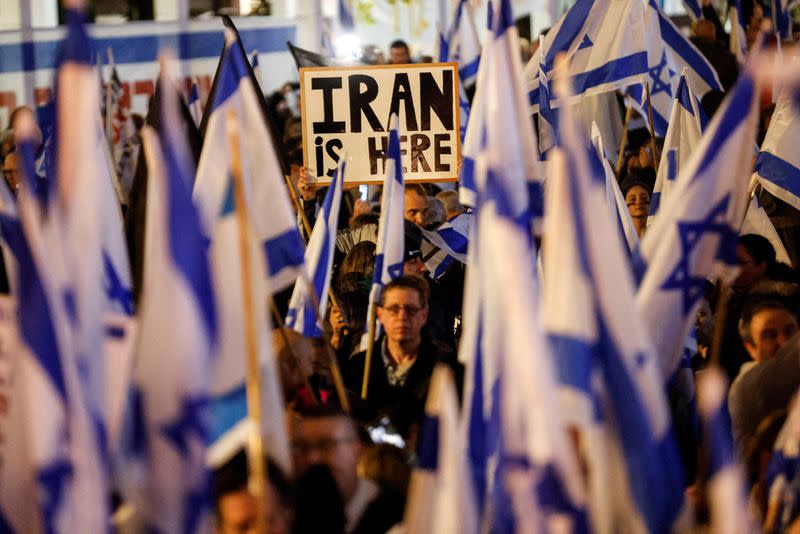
{"type": "Point", "coordinates": [54, 476]}
{"type": "Point", "coordinates": [604, 353]}
{"type": "Point", "coordinates": [614, 199]}
{"type": "Point", "coordinates": [685, 129]}
{"type": "Point", "coordinates": [727, 493]}
{"type": "Point", "coordinates": [525, 474]}
{"type": "Point", "coordinates": [463, 44]}
{"type": "Point", "coordinates": [696, 233]}
{"type": "Point", "coordinates": [306, 313]}
{"type": "Point", "coordinates": [446, 244]}
{"type": "Point", "coordinates": [548, 125]}
{"type": "Point", "coordinates": [440, 497]}
{"type": "Point", "coordinates": [473, 142]}
{"type": "Point", "coordinates": [756, 221]}
{"type": "Point", "coordinates": [693, 9]}
{"type": "Point", "coordinates": [179, 331]}
{"type": "Point", "coordinates": [738, 39]}
{"type": "Point", "coordinates": [605, 43]}
{"type": "Point", "coordinates": [268, 202]}
{"type": "Point", "coordinates": [195, 106]}
{"type": "Point", "coordinates": [668, 53]}
{"type": "Point", "coordinates": [783, 473]}
{"type": "Point", "coordinates": [230, 426]}
{"type": "Point", "coordinates": [778, 163]}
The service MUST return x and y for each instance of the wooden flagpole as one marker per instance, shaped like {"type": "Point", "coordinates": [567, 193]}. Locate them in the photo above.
{"type": "Point", "coordinates": [258, 469]}
{"type": "Point", "coordinates": [624, 141]}
{"type": "Point", "coordinates": [652, 128]}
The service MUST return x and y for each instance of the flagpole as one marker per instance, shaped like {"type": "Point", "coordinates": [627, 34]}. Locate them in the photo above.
{"type": "Point", "coordinates": [258, 469]}
{"type": "Point", "coordinates": [370, 349]}
{"type": "Point", "coordinates": [719, 314]}
{"type": "Point", "coordinates": [652, 128]}
{"type": "Point", "coordinates": [624, 141]}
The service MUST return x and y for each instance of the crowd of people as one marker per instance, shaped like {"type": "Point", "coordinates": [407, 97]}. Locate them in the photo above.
{"type": "Point", "coordinates": [353, 456]}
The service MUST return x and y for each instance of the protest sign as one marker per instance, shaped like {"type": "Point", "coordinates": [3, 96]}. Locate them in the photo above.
{"type": "Point", "coordinates": [346, 110]}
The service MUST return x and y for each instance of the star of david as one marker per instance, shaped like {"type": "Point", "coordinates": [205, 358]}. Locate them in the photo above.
{"type": "Point", "coordinates": [659, 85]}
{"type": "Point", "coordinates": [52, 479]}
{"type": "Point", "coordinates": [115, 290]}
{"type": "Point", "coordinates": [691, 233]}
{"type": "Point", "coordinates": [191, 419]}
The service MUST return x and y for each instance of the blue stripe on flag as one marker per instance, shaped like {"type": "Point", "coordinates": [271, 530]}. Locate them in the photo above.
{"type": "Point", "coordinates": [469, 70]}
{"type": "Point", "coordinates": [719, 423]}
{"type": "Point", "coordinates": [284, 250]}
{"type": "Point", "coordinates": [428, 449]}
{"type": "Point", "coordinates": [573, 361]}
{"type": "Point", "coordinates": [231, 73]}
{"type": "Point", "coordinates": [684, 97]}
{"type": "Point", "coordinates": [33, 55]}
{"type": "Point", "coordinates": [739, 111]}
{"type": "Point", "coordinates": [35, 318]}
{"type": "Point", "coordinates": [227, 410]}
{"type": "Point", "coordinates": [612, 71]}
{"type": "Point", "coordinates": [457, 241]}
{"type": "Point", "coordinates": [779, 171]}
{"type": "Point", "coordinates": [76, 48]}
{"type": "Point", "coordinates": [573, 23]}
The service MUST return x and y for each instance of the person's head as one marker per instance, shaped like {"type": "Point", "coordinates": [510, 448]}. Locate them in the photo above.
{"type": "Point", "coordinates": [399, 53]}
{"type": "Point", "coordinates": [352, 296]}
{"type": "Point", "coordinates": [416, 204]}
{"type": "Point", "coordinates": [766, 324]}
{"type": "Point", "coordinates": [755, 255]}
{"type": "Point", "coordinates": [704, 29]}
{"type": "Point", "coordinates": [360, 259]}
{"type": "Point", "coordinates": [325, 435]}
{"type": "Point", "coordinates": [412, 249]}
{"type": "Point", "coordinates": [436, 214]}
{"type": "Point", "coordinates": [235, 506]}
{"type": "Point", "coordinates": [363, 219]}
{"type": "Point", "coordinates": [12, 173]}
{"type": "Point", "coordinates": [637, 196]}
{"type": "Point", "coordinates": [452, 207]}
{"type": "Point", "coordinates": [404, 309]}
{"type": "Point", "coordinates": [26, 114]}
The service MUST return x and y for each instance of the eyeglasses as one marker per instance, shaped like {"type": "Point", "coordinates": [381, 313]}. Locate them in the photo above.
{"type": "Point", "coordinates": [324, 446]}
{"type": "Point", "coordinates": [395, 310]}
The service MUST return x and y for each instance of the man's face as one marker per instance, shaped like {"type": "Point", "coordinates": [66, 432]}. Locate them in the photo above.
{"type": "Point", "coordinates": [11, 171]}
{"type": "Point", "coordinates": [237, 513]}
{"type": "Point", "coordinates": [416, 207]}
{"type": "Point", "coordinates": [770, 329]}
{"type": "Point", "coordinates": [329, 441]}
{"type": "Point", "coordinates": [399, 55]}
{"type": "Point", "coordinates": [750, 271]}
{"type": "Point", "coordinates": [414, 266]}
{"type": "Point", "coordinates": [402, 315]}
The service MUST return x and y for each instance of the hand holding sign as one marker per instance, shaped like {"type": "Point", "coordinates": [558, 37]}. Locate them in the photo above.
{"type": "Point", "coordinates": [348, 109]}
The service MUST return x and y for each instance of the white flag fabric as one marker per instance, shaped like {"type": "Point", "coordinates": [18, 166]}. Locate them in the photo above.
{"type": "Point", "coordinates": [727, 493]}
{"type": "Point", "coordinates": [614, 199]}
{"type": "Point", "coordinates": [438, 500]}
{"type": "Point", "coordinates": [685, 129]}
{"type": "Point", "coordinates": [120, 130]}
{"type": "Point", "coordinates": [696, 233]}
{"type": "Point", "coordinates": [605, 43]}
{"type": "Point", "coordinates": [756, 221]}
{"type": "Point", "coordinates": [668, 53]}
{"type": "Point", "coordinates": [604, 353]}
{"type": "Point", "coordinates": [389, 252]}
{"type": "Point", "coordinates": [778, 163]}
{"type": "Point", "coordinates": [179, 331]}
{"type": "Point", "coordinates": [268, 201]}
{"type": "Point", "coordinates": [302, 316]}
